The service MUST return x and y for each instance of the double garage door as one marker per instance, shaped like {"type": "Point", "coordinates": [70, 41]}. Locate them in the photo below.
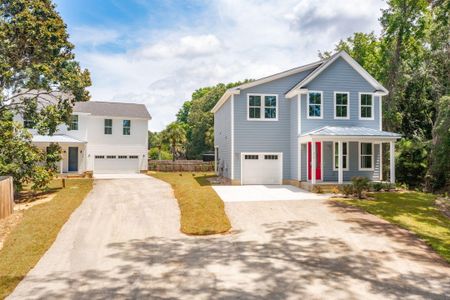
{"type": "Point", "coordinates": [261, 168]}
{"type": "Point", "coordinates": [116, 164]}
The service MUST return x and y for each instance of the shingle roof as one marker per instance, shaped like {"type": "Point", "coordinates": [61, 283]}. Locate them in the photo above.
{"type": "Point", "coordinates": [113, 109]}
{"type": "Point", "coordinates": [57, 138]}
{"type": "Point", "coordinates": [350, 131]}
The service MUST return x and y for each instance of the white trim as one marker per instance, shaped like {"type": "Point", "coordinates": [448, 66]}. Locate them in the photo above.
{"type": "Point", "coordinates": [232, 138]}
{"type": "Point", "coordinates": [359, 156]}
{"type": "Point", "coordinates": [299, 145]}
{"type": "Point", "coordinates": [321, 105]}
{"type": "Point", "coordinates": [372, 106]}
{"type": "Point", "coordinates": [321, 160]}
{"type": "Point", "coordinates": [280, 154]}
{"type": "Point", "coordinates": [392, 162]}
{"type": "Point", "coordinates": [348, 106]}
{"type": "Point", "coordinates": [353, 63]}
{"type": "Point", "coordinates": [380, 114]}
{"type": "Point", "coordinates": [334, 155]}
{"type": "Point", "coordinates": [262, 107]}
{"type": "Point", "coordinates": [381, 161]}
{"type": "Point", "coordinates": [227, 95]}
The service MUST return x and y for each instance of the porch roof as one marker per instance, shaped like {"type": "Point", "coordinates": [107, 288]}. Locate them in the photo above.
{"type": "Point", "coordinates": [350, 132]}
{"type": "Point", "coordinates": [57, 138]}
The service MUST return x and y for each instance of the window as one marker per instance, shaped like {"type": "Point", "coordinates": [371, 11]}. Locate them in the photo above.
{"type": "Point", "coordinates": [344, 156]}
{"type": "Point", "coordinates": [108, 126]}
{"type": "Point", "coordinates": [341, 101]}
{"type": "Point", "coordinates": [126, 127]}
{"type": "Point", "coordinates": [262, 107]}
{"type": "Point", "coordinates": [28, 123]}
{"type": "Point", "coordinates": [251, 156]}
{"type": "Point", "coordinates": [271, 157]}
{"type": "Point", "coordinates": [73, 125]}
{"type": "Point", "coordinates": [365, 156]}
{"type": "Point", "coordinates": [314, 105]}
{"type": "Point", "coordinates": [99, 156]}
{"type": "Point", "coordinates": [366, 106]}
{"type": "Point", "coordinates": [133, 156]}
{"type": "Point", "coordinates": [122, 156]}
{"type": "Point", "coordinates": [110, 156]}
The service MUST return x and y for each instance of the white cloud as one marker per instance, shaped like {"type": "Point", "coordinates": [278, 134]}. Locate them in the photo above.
{"type": "Point", "coordinates": [238, 40]}
{"type": "Point", "coordinates": [93, 36]}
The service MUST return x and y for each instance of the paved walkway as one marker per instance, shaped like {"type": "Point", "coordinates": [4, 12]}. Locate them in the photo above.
{"type": "Point", "coordinates": [124, 243]}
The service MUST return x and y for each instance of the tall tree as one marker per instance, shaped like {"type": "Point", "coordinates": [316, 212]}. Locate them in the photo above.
{"type": "Point", "coordinates": [175, 136]}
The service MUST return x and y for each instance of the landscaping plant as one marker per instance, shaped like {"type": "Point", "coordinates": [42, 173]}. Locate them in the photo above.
{"type": "Point", "coordinates": [360, 185]}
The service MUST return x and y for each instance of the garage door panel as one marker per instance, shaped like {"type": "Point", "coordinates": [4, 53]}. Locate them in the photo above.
{"type": "Point", "coordinates": [116, 164]}
{"type": "Point", "coordinates": [262, 168]}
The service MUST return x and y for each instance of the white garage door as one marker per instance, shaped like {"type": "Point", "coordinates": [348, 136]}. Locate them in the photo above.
{"type": "Point", "coordinates": [116, 164]}
{"type": "Point", "coordinates": [262, 168]}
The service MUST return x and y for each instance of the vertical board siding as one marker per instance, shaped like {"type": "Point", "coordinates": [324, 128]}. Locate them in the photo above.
{"type": "Point", "coordinates": [265, 136]}
{"type": "Point", "coordinates": [222, 137]}
{"type": "Point", "coordinates": [6, 196]}
{"type": "Point", "coordinates": [339, 77]}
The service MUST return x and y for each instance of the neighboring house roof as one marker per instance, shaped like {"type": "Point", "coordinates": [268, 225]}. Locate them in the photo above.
{"type": "Point", "coordinates": [57, 138]}
{"type": "Point", "coordinates": [236, 89]}
{"type": "Point", "coordinates": [319, 66]}
{"type": "Point", "coordinates": [350, 131]}
{"type": "Point", "coordinates": [112, 109]}
{"type": "Point", "coordinates": [353, 63]}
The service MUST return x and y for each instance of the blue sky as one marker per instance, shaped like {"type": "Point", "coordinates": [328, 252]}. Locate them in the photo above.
{"type": "Point", "coordinates": [159, 52]}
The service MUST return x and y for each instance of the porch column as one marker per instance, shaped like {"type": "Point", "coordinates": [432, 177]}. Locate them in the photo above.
{"type": "Point", "coordinates": [381, 161]}
{"type": "Point", "coordinates": [313, 162]}
{"type": "Point", "coordinates": [392, 160]}
{"type": "Point", "coordinates": [340, 163]}
{"type": "Point", "coordinates": [61, 166]}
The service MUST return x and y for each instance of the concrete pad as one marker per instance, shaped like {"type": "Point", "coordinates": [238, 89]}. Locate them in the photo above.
{"type": "Point", "coordinates": [121, 176]}
{"type": "Point", "coordinates": [245, 193]}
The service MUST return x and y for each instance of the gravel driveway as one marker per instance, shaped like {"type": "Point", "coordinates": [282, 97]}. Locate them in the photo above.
{"type": "Point", "coordinates": [123, 243]}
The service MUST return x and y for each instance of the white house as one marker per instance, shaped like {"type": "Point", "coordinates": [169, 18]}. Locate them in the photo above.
{"type": "Point", "coordinates": [102, 137]}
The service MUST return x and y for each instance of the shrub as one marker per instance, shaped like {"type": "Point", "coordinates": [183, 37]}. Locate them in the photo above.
{"type": "Point", "coordinates": [154, 154]}
{"type": "Point", "coordinates": [360, 184]}
{"type": "Point", "coordinates": [377, 186]}
{"type": "Point", "coordinates": [388, 187]}
{"type": "Point", "coordinates": [335, 190]}
{"type": "Point", "coordinates": [317, 189]}
{"type": "Point", "coordinates": [347, 189]}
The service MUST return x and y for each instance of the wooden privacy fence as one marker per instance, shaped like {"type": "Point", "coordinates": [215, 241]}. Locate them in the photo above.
{"type": "Point", "coordinates": [181, 165]}
{"type": "Point", "coordinates": [6, 196]}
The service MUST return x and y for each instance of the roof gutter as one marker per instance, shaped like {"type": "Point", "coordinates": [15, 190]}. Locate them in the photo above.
{"type": "Point", "coordinates": [224, 99]}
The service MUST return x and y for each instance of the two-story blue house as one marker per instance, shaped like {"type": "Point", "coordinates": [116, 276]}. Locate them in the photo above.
{"type": "Point", "coordinates": [316, 124]}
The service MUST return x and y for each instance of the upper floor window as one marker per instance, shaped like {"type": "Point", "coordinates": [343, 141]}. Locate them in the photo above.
{"type": "Point", "coordinates": [366, 106]}
{"type": "Point", "coordinates": [262, 107]}
{"type": "Point", "coordinates": [73, 123]}
{"type": "Point", "coordinates": [28, 122]}
{"type": "Point", "coordinates": [314, 105]}
{"type": "Point", "coordinates": [126, 127]}
{"type": "Point", "coordinates": [341, 105]}
{"type": "Point", "coordinates": [365, 156]}
{"type": "Point", "coordinates": [108, 126]}
{"type": "Point", "coordinates": [344, 156]}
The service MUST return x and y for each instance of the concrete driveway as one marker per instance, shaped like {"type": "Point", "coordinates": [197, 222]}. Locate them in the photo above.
{"type": "Point", "coordinates": [124, 243]}
{"type": "Point", "coordinates": [244, 193]}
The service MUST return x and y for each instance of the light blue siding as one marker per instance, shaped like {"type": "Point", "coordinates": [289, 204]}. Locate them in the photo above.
{"type": "Point", "coordinates": [265, 136]}
{"type": "Point", "coordinates": [339, 77]}
{"type": "Point", "coordinates": [222, 137]}
{"type": "Point", "coordinates": [294, 139]}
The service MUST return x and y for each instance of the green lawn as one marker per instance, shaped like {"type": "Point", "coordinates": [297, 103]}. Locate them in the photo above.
{"type": "Point", "coordinates": [40, 225]}
{"type": "Point", "coordinates": [413, 211]}
{"type": "Point", "coordinates": [202, 210]}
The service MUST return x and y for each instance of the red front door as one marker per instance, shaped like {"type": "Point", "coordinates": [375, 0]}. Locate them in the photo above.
{"type": "Point", "coordinates": [318, 161]}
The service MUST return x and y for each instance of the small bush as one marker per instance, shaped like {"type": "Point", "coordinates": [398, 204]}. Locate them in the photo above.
{"type": "Point", "coordinates": [347, 189]}
{"type": "Point", "coordinates": [377, 186]}
{"type": "Point", "coordinates": [317, 189]}
{"type": "Point", "coordinates": [360, 185]}
{"type": "Point", "coordinates": [387, 187]}
{"type": "Point", "coordinates": [335, 190]}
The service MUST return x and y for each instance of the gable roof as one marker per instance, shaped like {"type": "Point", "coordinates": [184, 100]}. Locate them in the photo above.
{"type": "Point", "coordinates": [236, 90]}
{"type": "Point", "coordinates": [353, 63]}
{"type": "Point", "coordinates": [112, 109]}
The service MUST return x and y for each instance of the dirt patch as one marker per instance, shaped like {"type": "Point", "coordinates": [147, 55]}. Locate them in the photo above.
{"type": "Point", "coordinates": [7, 224]}
{"type": "Point", "coordinates": [39, 200]}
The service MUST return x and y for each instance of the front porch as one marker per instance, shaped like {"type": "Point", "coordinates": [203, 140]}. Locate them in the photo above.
{"type": "Point", "coordinates": [331, 156]}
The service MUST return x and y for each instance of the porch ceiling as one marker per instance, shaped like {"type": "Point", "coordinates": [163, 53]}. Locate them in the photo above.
{"type": "Point", "coordinates": [57, 138]}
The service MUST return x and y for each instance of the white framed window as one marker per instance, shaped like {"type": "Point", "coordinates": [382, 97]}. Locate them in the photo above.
{"type": "Point", "coordinates": [366, 105]}
{"type": "Point", "coordinates": [108, 126]}
{"type": "Point", "coordinates": [344, 156]}
{"type": "Point", "coordinates": [366, 156]}
{"type": "Point", "coordinates": [315, 107]}
{"type": "Point", "coordinates": [73, 124]}
{"type": "Point", "coordinates": [262, 107]}
{"type": "Point", "coordinates": [126, 127]}
{"type": "Point", "coordinates": [341, 105]}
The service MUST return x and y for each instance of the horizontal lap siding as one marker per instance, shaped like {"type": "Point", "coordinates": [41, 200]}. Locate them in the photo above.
{"type": "Point", "coordinates": [222, 137]}
{"type": "Point", "coordinates": [294, 139]}
{"type": "Point", "coordinates": [265, 136]}
{"type": "Point", "coordinates": [339, 77]}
